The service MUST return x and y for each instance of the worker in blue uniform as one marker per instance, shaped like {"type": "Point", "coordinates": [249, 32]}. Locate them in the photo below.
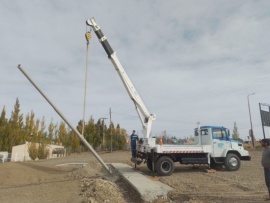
{"type": "Point", "coordinates": [133, 142]}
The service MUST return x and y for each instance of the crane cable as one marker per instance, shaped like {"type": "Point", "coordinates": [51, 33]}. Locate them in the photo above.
{"type": "Point", "coordinates": [87, 37]}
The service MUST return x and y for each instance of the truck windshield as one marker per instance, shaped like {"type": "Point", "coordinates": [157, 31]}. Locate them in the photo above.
{"type": "Point", "coordinates": [203, 132]}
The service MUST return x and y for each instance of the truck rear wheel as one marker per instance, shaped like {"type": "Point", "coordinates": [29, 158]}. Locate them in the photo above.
{"type": "Point", "coordinates": [232, 162]}
{"type": "Point", "coordinates": [164, 166]}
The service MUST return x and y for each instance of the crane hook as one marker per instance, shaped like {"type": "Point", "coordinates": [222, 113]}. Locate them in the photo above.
{"type": "Point", "coordinates": [88, 36]}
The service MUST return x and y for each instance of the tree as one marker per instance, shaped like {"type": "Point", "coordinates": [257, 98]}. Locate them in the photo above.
{"type": "Point", "coordinates": [3, 126]}
{"type": "Point", "coordinates": [35, 131]}
{"type": "Point", "coordinates": [91, 133]}
{"type": "Point", "coordinates": [41, 133]}
{"type": "Point", "coordinates": [119, 138]}
{"type": "Point", "coordinates": [62, 134]}
{"type": "Point", "coordinates": [74, 142]}
{"type": "Point", "coordinates": [68, 144]}
{"type": "Point", "coordinates": [15, 127]}
{"type": "Point", "coordinates": [79, 126]}
{"type": "Point", "coordinates": [51, 132]}
{"type": "Point", "coordinates": [42, 151]}
{"type": "Point", "coordinates": [235, 134]}
{"type": "Point", "coordinates": [33, 151]}
{"type": "Point", "coordinates": [29, 126]}
{"type": "Point", "coordinates": [109, 132]}
{"type": "Point", "coordinates": [100, 131]}
{"type": "Point", "coordinates": [15, 131]}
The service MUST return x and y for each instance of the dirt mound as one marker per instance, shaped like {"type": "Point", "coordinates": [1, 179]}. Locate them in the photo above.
{"type": "Point", "coordinates": [94, 169]}
{"type": "Point", "coordinates": [100, 186]}
{"type": "Point", "coordinates": [100, 190]}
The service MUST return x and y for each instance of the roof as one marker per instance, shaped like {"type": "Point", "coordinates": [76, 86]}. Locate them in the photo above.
{"type": "Point", "coordinates": [209, 126]}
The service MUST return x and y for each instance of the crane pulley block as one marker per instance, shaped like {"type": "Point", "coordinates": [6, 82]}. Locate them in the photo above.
{"type": "Point", "coordinates": [88, 36]}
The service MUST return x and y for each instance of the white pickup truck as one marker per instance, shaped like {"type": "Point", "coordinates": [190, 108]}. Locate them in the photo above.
{"type": "Point", "coordinates": [212, 146]}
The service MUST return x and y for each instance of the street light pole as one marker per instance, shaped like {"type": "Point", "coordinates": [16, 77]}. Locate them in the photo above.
{"type": "Point", "coordinates": [102, 130]}
{"type": "Point", "coordinates": [251, 133]}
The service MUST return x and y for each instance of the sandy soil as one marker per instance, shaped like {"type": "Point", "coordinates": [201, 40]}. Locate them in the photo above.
{"type": "Point", "coordinates": [49, 181]}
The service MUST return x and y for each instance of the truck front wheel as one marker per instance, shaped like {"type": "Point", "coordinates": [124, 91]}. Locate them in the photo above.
{"type": "Point", "coordinates": [164, 166]}
{"type": "Point", "coordinates": [232, 162]}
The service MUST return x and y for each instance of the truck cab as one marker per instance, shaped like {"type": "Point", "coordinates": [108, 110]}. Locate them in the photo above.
{"type": "Point", "coordinates": [222, 145]}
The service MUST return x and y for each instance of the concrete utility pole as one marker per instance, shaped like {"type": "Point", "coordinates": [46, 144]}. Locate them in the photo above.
{"type": "Point", "coordinates": [66, 121]}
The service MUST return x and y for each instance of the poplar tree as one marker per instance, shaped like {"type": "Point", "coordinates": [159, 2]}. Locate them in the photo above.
{"type": "Point", "coordinates": [100, 128]}
{"type": "Point", "coordinates": [62, 133]}
{"type": "Point", "coordinates": [91, 133]}
{"type": "Point", "coordinates": [35, 131]}
{"type": "Point", "coordinates": [74, 142]}
{"type": "Point", "coordinates": [14, 131]}
{"type": "Point", "coordinates": [51, 132]}
{"type": "Point", "coordinates": [41, 135]}
{"type": "Point", "coordinates": [29, 126]}
{"type": "Point", "coordinates": [15, 127]}
{"type": "Point", "coordinates": [3, 126]}
{"type": "Point", "coordinates": [119, 138]}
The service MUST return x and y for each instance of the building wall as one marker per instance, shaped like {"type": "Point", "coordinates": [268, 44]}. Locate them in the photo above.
{"type": "Point", "coordinates": [20, 152]}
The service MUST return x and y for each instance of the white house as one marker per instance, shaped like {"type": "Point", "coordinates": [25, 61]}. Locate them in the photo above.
{"type": "Point", "coordinates": [20, 152]}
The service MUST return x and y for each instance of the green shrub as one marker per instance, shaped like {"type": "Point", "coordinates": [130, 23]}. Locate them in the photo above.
{"type": "Point", "coordinates": [42, 151]}
{"type": "Point", "coordinates": [32, 150]}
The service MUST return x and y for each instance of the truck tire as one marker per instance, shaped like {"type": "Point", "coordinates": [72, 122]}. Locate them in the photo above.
{"type": "Point", "coordinates": [232, 162]}
{"type": "Point", "coordinates": [164, 166]}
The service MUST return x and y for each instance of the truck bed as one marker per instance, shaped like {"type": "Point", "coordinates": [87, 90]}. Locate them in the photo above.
{"type": "Point", "coordinates": [183, 149]}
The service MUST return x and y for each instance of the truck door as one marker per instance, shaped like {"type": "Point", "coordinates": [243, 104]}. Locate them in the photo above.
{"type": "Point", "coordinates": [221, 141]}
{"type": "Point", "coordinates": [204, 138]}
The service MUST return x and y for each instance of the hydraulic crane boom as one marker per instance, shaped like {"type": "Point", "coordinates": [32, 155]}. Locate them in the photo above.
{"type": "Point", "coordinates": [145, 116]}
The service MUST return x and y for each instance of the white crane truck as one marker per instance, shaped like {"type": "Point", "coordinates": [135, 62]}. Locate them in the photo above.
{"type": "Point", "coordinates": [212, 144]}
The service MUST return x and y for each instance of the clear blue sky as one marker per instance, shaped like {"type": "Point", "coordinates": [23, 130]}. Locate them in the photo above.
{"type": "Point", "coordinates": [190, 61]}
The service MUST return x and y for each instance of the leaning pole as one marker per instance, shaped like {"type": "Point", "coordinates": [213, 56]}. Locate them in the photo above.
{"type": "Point", "coordinates": [66, 121]}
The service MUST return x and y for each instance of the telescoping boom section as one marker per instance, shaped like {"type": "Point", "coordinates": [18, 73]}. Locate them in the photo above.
{"type": "Point", "coordinates": [145, 116]}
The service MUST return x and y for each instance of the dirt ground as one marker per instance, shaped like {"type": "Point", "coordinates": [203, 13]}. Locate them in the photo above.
{"type": "Point", "coordinates": [54, 181]}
